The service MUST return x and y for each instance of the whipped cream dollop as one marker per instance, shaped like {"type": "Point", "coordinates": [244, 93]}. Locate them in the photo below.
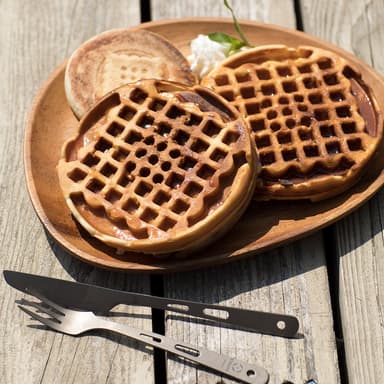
{"type": "Point", "coordinates": [206, 55]}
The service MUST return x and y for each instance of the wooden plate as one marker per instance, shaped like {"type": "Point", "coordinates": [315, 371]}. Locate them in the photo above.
{"type": "Point", "coordinates": [265, 225]}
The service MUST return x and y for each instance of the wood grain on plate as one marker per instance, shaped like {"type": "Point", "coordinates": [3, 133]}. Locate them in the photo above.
{"type": "Point", "coordinates": [265, 225]}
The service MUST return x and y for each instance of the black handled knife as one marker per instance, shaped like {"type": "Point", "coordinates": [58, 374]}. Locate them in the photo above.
{"type": "Point", "coordinates": [97, 299]}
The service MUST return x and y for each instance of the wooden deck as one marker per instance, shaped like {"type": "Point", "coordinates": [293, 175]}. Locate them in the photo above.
{"type": "Point", "coordinates": [333, 281]}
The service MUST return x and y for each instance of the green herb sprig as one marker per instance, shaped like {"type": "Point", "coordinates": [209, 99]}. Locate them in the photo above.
{"type": "Point", "coordinates": [237, 26]}
{"type": "Point", "coordinates": [232, 43]}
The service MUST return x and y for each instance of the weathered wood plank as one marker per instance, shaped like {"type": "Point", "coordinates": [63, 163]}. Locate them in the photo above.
{"type": "Point", "coordinates": [288, 280]}
{"type": "Point", "coordinates": [357, 26]}
{"type": "Point", "coordinates": [34, 38]}
{"type": "Point", "coordinates": [291, 279]}
{"type": "Point", "coordinates": [275, 11]}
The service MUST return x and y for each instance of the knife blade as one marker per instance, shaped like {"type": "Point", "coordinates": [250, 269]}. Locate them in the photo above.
{"type": "Point", "coordinates": [101, 300]}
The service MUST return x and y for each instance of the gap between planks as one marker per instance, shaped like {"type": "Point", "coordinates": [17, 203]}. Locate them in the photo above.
{"type": "Point", "coordinates": [145, 10]}
{"type": "Point", "coordinates": [333, 262]}
{"type": "Point", "coordinates": [158, 326]}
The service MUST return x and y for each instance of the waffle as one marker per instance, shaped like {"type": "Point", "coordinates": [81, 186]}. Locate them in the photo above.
{"type": "Point", "coordinates": [313, 120]}
{"type": "Point", "coordinates": [158, 167]}
{"type": "Point", "coordinates": [116, 57]}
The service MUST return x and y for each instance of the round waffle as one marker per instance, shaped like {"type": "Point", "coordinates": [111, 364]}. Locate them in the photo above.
{"type": "Point", "coordinates": [159, 167]}
{"type": "Point", "coordinates": [313, 120]}
{"type": "Point", "coordinates": [116, 57]}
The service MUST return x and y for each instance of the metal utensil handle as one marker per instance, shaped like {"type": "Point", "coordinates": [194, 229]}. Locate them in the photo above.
{"type": "Point", "coordinates": [248, 373]}
{"type": "Point", "coordinates": [271, 323]}
{"type": "Point", "coordinates": [265, 322]}
{"type": "Point", "coordinates": [101, 300]}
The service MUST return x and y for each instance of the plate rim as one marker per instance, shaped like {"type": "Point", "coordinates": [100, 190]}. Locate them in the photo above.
{"type": "Point", "coordinates": [188, 263]}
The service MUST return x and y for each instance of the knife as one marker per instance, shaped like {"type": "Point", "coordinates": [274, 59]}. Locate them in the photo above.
{"type": "Point", "coordinates": [101, 300]}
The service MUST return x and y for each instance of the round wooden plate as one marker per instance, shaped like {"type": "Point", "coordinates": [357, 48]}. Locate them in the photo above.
{"type": "Point", "coordinates": [265, 225]}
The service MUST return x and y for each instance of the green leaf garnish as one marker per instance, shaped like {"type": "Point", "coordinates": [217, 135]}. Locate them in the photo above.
{"type": "Point", "coordinates": [237, 26]}
{"type": "Point", "coordinates": [230, 42]}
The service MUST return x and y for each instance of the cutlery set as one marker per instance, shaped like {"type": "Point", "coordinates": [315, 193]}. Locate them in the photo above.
{"type": "Point", "coordinates": [74, 308]}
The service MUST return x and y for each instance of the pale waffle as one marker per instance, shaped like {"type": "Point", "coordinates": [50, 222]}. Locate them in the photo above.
{"type": "Point", "coordinates": [158, 167]}
{"type": "Point", "coordinates": [313, 120]}
{"type": "Point", "coordinates": [114, 58]}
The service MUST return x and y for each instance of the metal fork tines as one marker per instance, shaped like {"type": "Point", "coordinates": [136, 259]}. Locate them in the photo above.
{"type": "Point", "coordinates": [76, 322]}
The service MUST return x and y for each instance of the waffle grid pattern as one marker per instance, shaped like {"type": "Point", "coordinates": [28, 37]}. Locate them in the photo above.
{"type": "Point", "coordinates": [304, 119]}
{"type": "Point", "coordinates": [157, 166]}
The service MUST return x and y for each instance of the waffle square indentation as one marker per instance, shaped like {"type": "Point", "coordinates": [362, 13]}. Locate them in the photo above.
{"type": "Point", "coordinates": [187, 163]}
{"type": "Point", "coordinates": [263, 74]}
{"type": "Point", "coordinates": [131, 205]}
{"type": "Point", "coordinates": [257, 125]}
{"type": "Point", "coordinates": [199, 146]}
{"type": "Point", "coordinates": [148, 215]}
{"type": "Point", "coordinates": [247, 92]}
{"type": "Point", "coordinates": [252, 108]}
{"type": "Point", "coordinates": [305, 134]}
{"type": "Point", "coordinates": [193, 189]}
{"type": "Point", "coordinates": [289, 86]}
{"type": "Point", "coordinates": [127, 113]}
{"type": "Point", "coordinates": [289, 154]}
{"type": "Point", "coordinates": [333, 147]}
{"type": "Point", "coordinates": [218, 155]}
{"type": "Point", "coordinates": [284, 71]}
{"type": "Point", "coordinates": [166, 224]}
{"type": "Point", "coordinates": [161, 197]}
{"type": "Point", "coordinates": [90, 160]}
{"type": "Point", "coordinates": [120, 154]}
{"type": "Point", "coordinates": [327, 130]}
{"type": "Point", "coordinates": [231, 137]}
{"type": "Point", "coordinates": [205, 172]}
{"type": "Point", "coordinates": [284, 137]}
{"type": "Point", "coordinates": [138, 96]}
{"type": "Point", "coordinates": [103, 145]}
{"type": "Point", "coordinates": [174, 112]}
{"type": "Point", "coordinates": [180, 207]}
{"type": "Point", "coordinates": [211, 128]}
{"type": "Point", "coordinates": [355, 144]}
{"type": "Point", "coordinates": [348, 127]}
{"type": "Point", "coordinates": [143, 189]}
{"type": "Point", "coordinates": [108, 170]}
{"type": "Point", "coordinates": [181, 137]}
{"type": "Point", "coordinates": [221, 80]}
{"type": "Point", "coordinates": [311, 151]}
{"type": "Point", "coordinates": [95, 185]}
{"type": "Point", "coordinates": [174, 180]}
{"type": "Point", "coordinates": [133, 137]}
{"type": "Point", "coordinates": [77, 175]}
{"type": "Point", "coordinates": [157, 104]}
{"type": "Point", "coordinates": [113, 195]}
{"type": "Point", "coordinates": [145, 121]}
{"type": "Point", "coordinates": [115, 129]}
{"type": "Point", "coordinates": [263, 141]}
{"type": "Point", "coordinates": [267, 158]}
{"type": "Point", "coordinates": [242, 76]}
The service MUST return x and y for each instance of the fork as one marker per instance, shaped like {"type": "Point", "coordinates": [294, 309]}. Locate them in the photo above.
{"type": "Point", "coordinates": [74, 322]}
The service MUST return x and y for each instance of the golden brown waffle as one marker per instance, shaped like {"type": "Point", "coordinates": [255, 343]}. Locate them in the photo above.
{"type": "Point", "coordinates": [159, 167]}
{"type": "Point", "coordinates": [116, 57]}
{"type": "Point", "coordinates": [313, 120]}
